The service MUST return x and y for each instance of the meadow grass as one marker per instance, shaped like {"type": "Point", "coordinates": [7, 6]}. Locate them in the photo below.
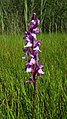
{"type": "Point", "coordinates": [16, 97]}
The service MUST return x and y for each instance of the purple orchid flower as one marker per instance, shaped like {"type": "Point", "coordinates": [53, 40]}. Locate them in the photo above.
{"type": "Point", "coordinates": [31, 48]}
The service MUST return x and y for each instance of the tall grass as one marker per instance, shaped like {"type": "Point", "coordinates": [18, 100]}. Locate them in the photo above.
{"type": "Point", "coordinates": [42, 8]}
{"type": "Point", "coordinates": [25, 13]}
{"type": "Point", "coordinates": [16, 97]}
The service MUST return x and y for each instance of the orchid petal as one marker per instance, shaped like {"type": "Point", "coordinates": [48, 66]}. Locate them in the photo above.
{"type": "Point", "coordinates": [34, 35]}
{"type": "Point", "coordinates": [40, 71]}
{"type": "Point", "coordinates": [27, 39]}
{"type": "Point", "coordinates": [32, 61]}
{"type": "Point", "coordinates": [36, 30]}
{"type": "Point", "coordinates": [28, 69]}
{"type": "Point", "coordinates": [37, 48]}
{"type": "Point", "coordinates": [28, 45]}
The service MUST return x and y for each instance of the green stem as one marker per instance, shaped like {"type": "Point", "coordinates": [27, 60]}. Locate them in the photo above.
{"type": "Point", "coordinates": [34, 102]}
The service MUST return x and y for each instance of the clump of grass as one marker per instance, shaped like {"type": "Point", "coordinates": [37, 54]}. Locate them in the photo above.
{"type": "Point", "coordinates": [15, 97]}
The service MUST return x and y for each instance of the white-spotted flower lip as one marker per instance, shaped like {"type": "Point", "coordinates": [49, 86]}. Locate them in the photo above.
{"type": "Point", "coordinates": [37, 48]}
{"type": "Point", "coordinates": [40, 71]}
{"type": "Point", "coordinates": [27, 38]}
{"type": "Point", "coordinates": [33, 22]}
{"type": "Point", "coordinates": [28, 69]}
{"type": "Point", "coordinates": [28, 45]}
{"type": "Point", "coordinates": [34, 35]}
{"type": "Point", "coordinates": [36, 30]}
{"type": "Point", "coordinates": [32, 61]}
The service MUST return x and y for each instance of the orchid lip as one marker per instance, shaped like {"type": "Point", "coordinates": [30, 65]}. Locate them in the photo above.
{"type": "Point", "coordinates": [40, 71]}
{"type": "Point", "coordinates": [28, 70]}
{"type": "Point", "coordinates": [34, 35]}
{"type": "Point", "coordinates": [28, 45]}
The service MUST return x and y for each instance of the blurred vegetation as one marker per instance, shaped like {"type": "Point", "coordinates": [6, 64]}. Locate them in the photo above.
{"type": "Point", "coordinates": [16, 97]}
{"type": "Point", "coordinates": [15, 15]}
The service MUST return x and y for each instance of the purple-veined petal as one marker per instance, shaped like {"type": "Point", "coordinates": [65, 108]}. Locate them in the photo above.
{"type": "Point", "coordinates": [36, 43]}
{"type": "Point", "coordinates": [36, 30]}
{"type": "Point", "coordinates": [27, 38]}
{"type": "Point", "coordinates": [34, 35]}
{"type": "Point", "coordinates": [33, 21]}
{"type": "Point", "coordinates": [32, 56]}
{"type": "Point", "coordinates": [32, 24]}
{"type": "Point", "coordinates": [32, 61]}
{"type": "Point", "coordinates": [30, 37]}
{"type": "Point", "coordinates": [28, 45]}
{"type": "Point", "coordinates": [37, 48]}
{"type": "Point", "coordinates": [28, 69]}
{"type": "Point", "coordinates": [40, 71]}
{"type": "Point", "coordinates": [39, 65]}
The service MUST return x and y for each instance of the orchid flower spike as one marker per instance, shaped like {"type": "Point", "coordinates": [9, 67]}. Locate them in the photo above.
{"type": "Point", "coordinates": [31, 48]}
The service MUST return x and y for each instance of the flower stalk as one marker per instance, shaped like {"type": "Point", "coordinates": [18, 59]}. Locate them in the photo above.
{"type": "Point", "coordinates": [34, 102]}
